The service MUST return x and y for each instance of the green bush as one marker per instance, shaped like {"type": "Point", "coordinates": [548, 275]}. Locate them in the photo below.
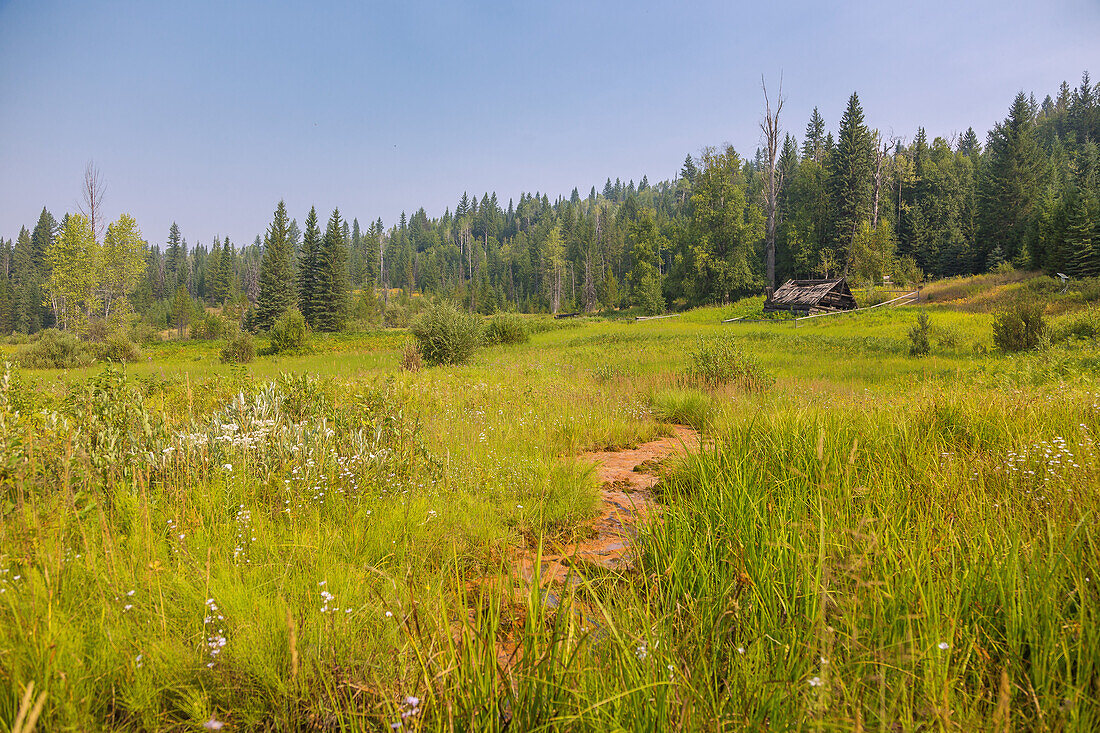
{"type": "Point", "coordinates": [446, 335]}
{"type": "Point", "coordinates": [505, 328]}
{"type": "Point", "coordinates": [289, 333]}
{"type": "Point", "coordinates": [239, 350]}
{"type": "Point", "coordinates": [1088, 287]}
{"type": "Point", "coordinates": [207, 327]}
{"type": "Point", "coordinates": [144, 333]}
{"type": "Point", "coordinates": [1083, 326]}
{"type": "Point", "coordinates": [720, 361]}
{"type": "Point", "coordinates": [53, 349]}
{"type": "Point", "coordinates": [1021, 328]}
{"type": "Point", "coordinates": [649, 296]}
{"type": "Point", "coordinates": [117, 348]}
{"type": "Point", "coordinates": [918, 336]}
{"type": "Point", "coordinates": [1043, 285]}
{"type": "Point", "coordinates": [947, 336]}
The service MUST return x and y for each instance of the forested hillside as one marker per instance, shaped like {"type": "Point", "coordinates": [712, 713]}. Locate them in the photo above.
{"type": "Point", "coordinates": [848, 200]}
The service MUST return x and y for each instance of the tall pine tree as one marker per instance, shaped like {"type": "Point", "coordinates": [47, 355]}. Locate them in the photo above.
{"type": "Point", "coordinates": [330, 296]}
{"type": "Point", "coordinates": [1010, 187]}
{"type": "Point", "coordinates": [850, 170]}
{"type": "Point", "coordinates": [308, 266]}
{"type": "Point", "coordinates": [277, 291]}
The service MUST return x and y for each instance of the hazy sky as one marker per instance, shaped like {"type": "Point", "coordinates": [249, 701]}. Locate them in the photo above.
{"type": "Point", "coordinates": [207, 113]}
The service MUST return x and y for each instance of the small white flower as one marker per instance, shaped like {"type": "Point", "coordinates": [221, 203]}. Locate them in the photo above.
{"type": "Point", "coordinates": [127, 607]}
{"type": "Point", "coordinates": [213, 724]}
{"type": "Point", "coordinates": [641, 652]}
{"type": "Point", "coordinates": [389, 614]}
{"type": "Point", "coordinates": [816, 682]}
{"type": "Point", "coordinates": [228, 467]}
{"type": "Point", "coordinates": [943, 646]}
{"type": "Point", "coordinates": [740, 650]}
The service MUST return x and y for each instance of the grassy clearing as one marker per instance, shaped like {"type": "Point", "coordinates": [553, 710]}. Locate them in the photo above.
{"type": "Point", "coordinates": [875, 540]}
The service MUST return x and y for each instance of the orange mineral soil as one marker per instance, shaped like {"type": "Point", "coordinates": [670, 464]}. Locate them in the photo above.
{"type": "Point", "coordinates": [626, 497]}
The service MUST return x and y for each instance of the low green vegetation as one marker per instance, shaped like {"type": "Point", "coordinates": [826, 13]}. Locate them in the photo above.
{"type": "Point", "coordinates": [328, 540]}
{"type": "Point", "coordinates": [239, 349]}
{"type": "Point", "coordinates": [446, 335]}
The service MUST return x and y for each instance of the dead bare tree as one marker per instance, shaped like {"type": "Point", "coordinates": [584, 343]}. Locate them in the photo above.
{"type": "Point", "coordinates": [91, 204]}
{"type": "Point", "coordinates": [881, 149]}
{"type": "Point", "coordinates": [772, 182]}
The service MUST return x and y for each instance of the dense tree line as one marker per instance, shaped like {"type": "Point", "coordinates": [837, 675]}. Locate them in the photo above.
{"type": "Point", "coordinates": [850, 203]}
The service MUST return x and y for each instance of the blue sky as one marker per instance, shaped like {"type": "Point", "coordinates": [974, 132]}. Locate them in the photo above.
{"type": "Point", "coordinates": [207, 113]}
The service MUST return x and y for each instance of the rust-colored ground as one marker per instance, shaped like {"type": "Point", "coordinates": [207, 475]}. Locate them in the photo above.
{"type": "Point", "coordinates": [626, 496]}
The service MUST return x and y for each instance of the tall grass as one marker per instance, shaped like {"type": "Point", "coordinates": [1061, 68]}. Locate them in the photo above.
{"type": "Point", "coordinates": [875, 542]}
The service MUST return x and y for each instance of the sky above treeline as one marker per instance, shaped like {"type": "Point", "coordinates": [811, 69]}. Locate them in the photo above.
{"type": "Point", "coordinates": [207, 113]}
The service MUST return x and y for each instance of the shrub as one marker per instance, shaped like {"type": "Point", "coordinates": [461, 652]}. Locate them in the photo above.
{"type": "Point", "coordinates": [144, 333]}
{"type": "Point", "coordinates": [289, 333]}
{"type": "Point", "coordinates": [53, 349]}
{"type": "Point", "coordinates": [505, 328]}
{"type": "Point", "coordinates": [947, 337]}
{"type": "Point", "coordinates": [446, 335]}
{"type": "Point", "coordinates": [1088, 287]}
{"type": "Point", "coordinates": [1043, 285]}
{"type": "Point", "coordinates": [649, 296]}
{"type": "Point", "coordinates": [1083, 326]}
{"type": "Point", "coordinates": [410, 357]}
{"type": "Point", "coordinates": [239, 350]}
{"type": "Point", "coordinates": [208, 326]}
{"type": "Point", "coordinates": [1021, 328]}
{"type": "Point", "coordinates": [720, 361]}
{"type": "Point", "coordinates": [117, 348]}
{"type": "Point", "coordinates": [918, 336]}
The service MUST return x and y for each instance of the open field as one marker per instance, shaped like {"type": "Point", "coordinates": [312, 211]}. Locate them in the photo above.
{"type": "Point", "coordinates": [873, 542]}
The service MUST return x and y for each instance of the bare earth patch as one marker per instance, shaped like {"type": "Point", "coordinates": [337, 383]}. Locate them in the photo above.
{"type": "Point", "coordinates": [626, 496]}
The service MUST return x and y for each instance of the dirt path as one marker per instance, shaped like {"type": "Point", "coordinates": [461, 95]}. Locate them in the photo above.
{"type": "Point", "coordinates": [626, 496]}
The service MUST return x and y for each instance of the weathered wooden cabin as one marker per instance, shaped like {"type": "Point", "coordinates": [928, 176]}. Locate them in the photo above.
{"type": "Point", "coordinates": [808, 297]}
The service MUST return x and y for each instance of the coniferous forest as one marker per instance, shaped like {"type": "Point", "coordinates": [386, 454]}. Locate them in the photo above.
{"type": "Point", "coordinates": [847, 200]}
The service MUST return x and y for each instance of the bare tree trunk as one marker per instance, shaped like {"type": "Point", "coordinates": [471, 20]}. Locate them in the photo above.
{"type": "Point", "coordinates": [589, 284]}
{"type": "Point", "coordinates": [92, 204]}
{"type": "Point", "coordinates": [573, 282]}
{"type": "Point", "coordinates": [770, 128]}
{"type": "Point", "coordinates": [880, 155]}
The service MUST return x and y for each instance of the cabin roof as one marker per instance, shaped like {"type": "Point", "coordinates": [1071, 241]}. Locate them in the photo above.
{"type": "Point", "coordinates": [806, 294]}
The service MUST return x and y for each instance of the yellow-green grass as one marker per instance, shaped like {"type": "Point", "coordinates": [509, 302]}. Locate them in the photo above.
{"type": "Point", "coordinates": [809, 563]}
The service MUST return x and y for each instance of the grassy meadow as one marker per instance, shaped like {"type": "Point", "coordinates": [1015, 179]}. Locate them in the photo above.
{"type": "Point", "coordinates": [873, 541]}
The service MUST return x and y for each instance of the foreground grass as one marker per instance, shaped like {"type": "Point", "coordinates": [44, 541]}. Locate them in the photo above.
{"type": "Point", "coordinates": [877, 541]}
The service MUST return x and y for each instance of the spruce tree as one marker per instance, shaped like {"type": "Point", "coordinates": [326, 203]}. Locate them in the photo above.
{"type": "Point", "coordinates": [227, 271]}
{"type": "Point", "coordinates": [813, 147]}
{"type": "Point", "coordinates": [307, 267]}
{"type": "Point", "coordinates": [277, 291]}
{"type": "Point", "coordinates": [330, 296]}
{"type": "Point", "coordinates": [215, 291]}
{"type": "Point", "coordinates": [969, 145]}
{"type": "Point", "coordinates": [1009, 189]}
{"type": "Point", "coordinates": [1080, 243]}
{"type": "Point", "coordinates": [850, 171]}
{"type": "Point", "coordinates": [174, 255]}
{"type": "Point", "coordinates": [28, 295]}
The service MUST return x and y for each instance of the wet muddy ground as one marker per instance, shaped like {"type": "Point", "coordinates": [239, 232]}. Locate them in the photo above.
{"type": "Point", "coordinates": [627, 478]}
